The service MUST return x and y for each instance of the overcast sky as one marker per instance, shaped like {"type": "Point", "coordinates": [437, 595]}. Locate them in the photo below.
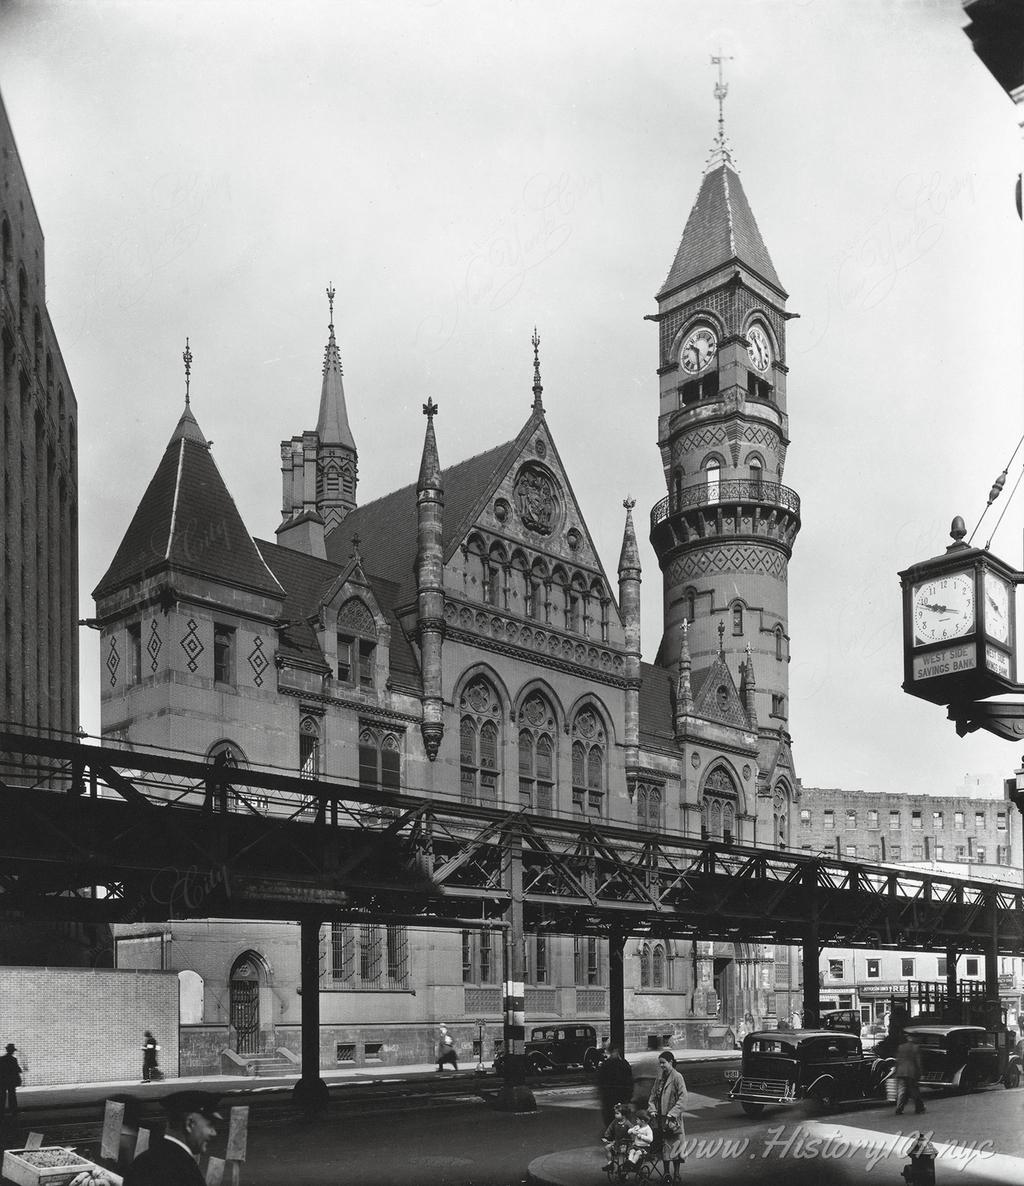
{"type": "Point", "coordinates": [463, 170]}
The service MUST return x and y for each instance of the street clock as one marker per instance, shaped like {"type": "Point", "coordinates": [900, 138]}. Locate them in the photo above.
{"type": "Point", "coordinates": [959, 625]}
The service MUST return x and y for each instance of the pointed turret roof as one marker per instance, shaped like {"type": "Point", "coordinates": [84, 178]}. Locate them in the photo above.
{"type": "Point", "coordinates": [629, 557]}
{"type": "Point", "coordinates": [332, 425]}
{"type": "Point", "coordinates": [721, 230]}
{"type": "Point", "coordinates": [188, 521]}
{"type": "Point", "coordinates": [430, 467]}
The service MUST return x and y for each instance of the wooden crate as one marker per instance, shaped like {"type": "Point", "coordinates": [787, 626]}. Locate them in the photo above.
{"type": "Point", "coordinates": [49, 1165]}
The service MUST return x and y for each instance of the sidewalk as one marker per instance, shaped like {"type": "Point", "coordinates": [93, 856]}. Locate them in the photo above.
{"type": "Point", "coordinates": [57, 1094]}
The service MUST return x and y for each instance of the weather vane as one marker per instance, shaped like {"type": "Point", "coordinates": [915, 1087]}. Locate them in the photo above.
{"type": "Point", "coordinates": [187, 359]}
{"type": "Point", "coordinates": [538, 390]}
{"type": "Point", "coordinates": [430, 409]}
{"type": "Point", "coordinates": [720, 150]}
{"type": "Point", "coordinates": [330, 301]}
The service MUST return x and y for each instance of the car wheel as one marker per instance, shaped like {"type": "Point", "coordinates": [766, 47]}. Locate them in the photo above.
{"type": "Point", "coordinates": [536, 1064]}
{"type": "Point", "coordinates": [591, 1061]}
{"type": "Point", "coordinates": [826, 1098]}
{"type": "Point", "coordinates": [1012, 1077]}
{"type": "Point", "coordinates": [751, 1108]}
{"type": "Point", "coordinates": [644, 1172]}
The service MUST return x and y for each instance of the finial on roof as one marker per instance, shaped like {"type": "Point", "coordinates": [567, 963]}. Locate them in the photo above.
{"type": "Point", "coordinates": [721, 153]}
{"type": "Point", "coordinates": [538, 406]}
{"type": "Point", "coordinates": [430, 409]}
{"type": "Point", "coordinates": [330, 302]}
{"type": "Point", "coordinates": [721, 639]}
{"type": "Point", "coordinates": [355, 549]}
{"type": "Point", "coordinates": [187, 359]}
{"type": "Point", "coordinates": [629, 557]}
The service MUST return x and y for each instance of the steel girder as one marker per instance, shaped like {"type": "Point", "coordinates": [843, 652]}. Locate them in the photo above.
{"type": "Point", "coordinates": [93, 831]}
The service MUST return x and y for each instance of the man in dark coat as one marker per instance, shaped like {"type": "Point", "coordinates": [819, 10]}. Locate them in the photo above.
{"type": "Point", "coordinates": [10, 1080]}
{"type": "Point", "coordinates": [174, 1159]}
{"type": "Point", "coordinates": [614, 1083]}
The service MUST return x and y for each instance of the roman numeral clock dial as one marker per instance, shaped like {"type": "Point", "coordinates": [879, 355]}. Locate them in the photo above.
{"type": "Point", "coordinates": [943, 608]}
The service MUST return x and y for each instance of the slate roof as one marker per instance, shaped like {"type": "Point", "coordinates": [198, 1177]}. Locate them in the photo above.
{"type": "Point", "coordinates": [387, 526]}
{"type": "Point", "coordinates": [332, 424]}
{"type": "Point", "coordinates": [187, 521]}
{"type": "Point", "coordinates": [657, 699]}
{"type": "Point", "coordinates": [721, 229]}
{"type": "Point", "coordinates": [307, 580]}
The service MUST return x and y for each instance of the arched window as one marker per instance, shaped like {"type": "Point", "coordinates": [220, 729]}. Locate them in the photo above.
{"type": "Point", "coordinates": [309, 747]}
{"type": "Point", "coordinates": [357, 645]}
{"type": "Point", "coordinates": [648, 807]}
{"type": "Point", "coordinates": [380, 759]}
{"type": "Point", "coordinates": [537, 596]}
{"type": "Point", "coordinates": [589, 750]}
{"type": "Point", "coordinates": [538, 755]}
{"type": "Point", "coordinates": [645, 966]}
{"type": "Point", "coordinates": [737, 617]}
{"type": "Point", "coordinates": [690, 597]}
{"type": "Point", "coordinates": [756, 474]}
{"type": "Point", "coordinates": [658, 966]}
{"type": "Point", "coordinates": [479, 742]}
{"type": "Point", "coordinates": [519, 584]}
{"type": "Point", "coordinates": [190, 998]}
{"type": "Point", "coordinates": [677, 489]}
{"type": "Point", "coordinates": [494, 577]}
{"type": "Point", "coordinates": [713, 473]}
{"type": "Point", "coordinates": [780, 818]}
{"type": "Point", "coordinates": [220, 794]}
{"type": "Point", "coordinates": [575, 605]}
{"type": "Point", "coordinates": [718, 806]}
{"type": "Point", "coordinates": [780, 648]}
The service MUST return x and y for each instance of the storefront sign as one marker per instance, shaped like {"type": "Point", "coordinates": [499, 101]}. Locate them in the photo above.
{"type": "Point", "coordinates": [943, 662]}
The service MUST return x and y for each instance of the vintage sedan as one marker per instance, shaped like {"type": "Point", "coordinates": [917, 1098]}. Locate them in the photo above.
{"type": "Point", "coordinates": [555, 1047]}
{"type": "Point", "coordinates": [965, 1057]}
{"type": "Point", "coordinates": [821, 1065]}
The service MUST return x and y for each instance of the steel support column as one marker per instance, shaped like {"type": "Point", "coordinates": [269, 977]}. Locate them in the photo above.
{"type": "Point", "coordinates": [515, 1095]}
{"type": "Point", "coordinates": [992, 962]}
{"type": "Point", "coordinates": [310, 1092]}
{"type": "Point", "coordinates": [616, 990]}
{"type": "Point", "coordinates": [951, 986]}
{"type": "Point", "coordinates": [812, 985]}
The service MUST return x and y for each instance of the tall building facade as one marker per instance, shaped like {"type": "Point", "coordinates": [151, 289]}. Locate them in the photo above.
{"type": "Point", "coordinates": [39, 490]}
{"type": "Point", "coordinates": [460, 638]}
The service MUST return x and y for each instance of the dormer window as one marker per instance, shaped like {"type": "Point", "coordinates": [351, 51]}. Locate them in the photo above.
{"type": "Point", "coordinates": [357, 645]}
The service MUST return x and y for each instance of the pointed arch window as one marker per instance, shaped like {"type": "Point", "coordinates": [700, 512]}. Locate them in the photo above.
{"type": "Point", "coordinates": [737, 617]}
{"type": "Point", "coordinates": [690, 598]}
{"type": "Point", "coordinates": [357, 645]}
{"type": "Point", "coordinates": [309, 747]}
{"type": "Point", "coordinates": [718, 807]}
{"type": "Point", "coordinates": [479, 742]}
{"type": "Point", "coordinates": [756, 476]}
{"type": "Point", "coordinates": [380, 758]}
{"type": "Point", "coordinates": [648, 807]}
{"type": "Point", "coordinates": [589, 753]}
{"type": "Point", "coordinates": [494, 578]}
{"type": "Point", "coordinates": [780, 647]}
{"type": "Point", "coordinates": [538, 755]}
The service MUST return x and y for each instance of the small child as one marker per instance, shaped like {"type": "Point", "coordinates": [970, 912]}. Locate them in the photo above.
{"type": "Point", "coordinates": [616, 1137]}
{"type": "Point", "coordinates": [642, 1136]}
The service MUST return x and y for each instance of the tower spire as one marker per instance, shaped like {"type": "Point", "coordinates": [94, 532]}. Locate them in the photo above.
{"type": "Point", "coordinates": [538, 390]}
{"type": "Point", "coordinates": [721, 152]}
{"type": "Point", "coordinates": [187, 359]}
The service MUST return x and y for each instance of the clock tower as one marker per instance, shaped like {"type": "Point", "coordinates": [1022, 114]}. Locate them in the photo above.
{"type": "Point", "coordinates": [725, 530]}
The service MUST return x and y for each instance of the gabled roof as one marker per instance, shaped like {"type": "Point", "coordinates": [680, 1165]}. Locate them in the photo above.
{"type": "Point", "coordinates": [187, 521]}
{"type": "Point", "coordinates": [721, 229]}
{"type": "Point", "coordinates": [387, 526]}
{"type": "Point", "coordinates": [706, 703]}
{"type": "Point", "coordinates": [307, 581]}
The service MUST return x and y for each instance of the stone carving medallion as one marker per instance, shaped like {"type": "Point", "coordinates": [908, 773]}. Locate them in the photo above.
{"type": "Point", "coordinates": [536, 498]}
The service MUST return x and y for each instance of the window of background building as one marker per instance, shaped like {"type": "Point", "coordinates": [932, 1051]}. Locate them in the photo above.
{"type": "Point", "coordinates": [540, 959]}
{"type": "Point", "coordinates": [917, 853]}
{"type": "Point", "coordinates": [830, 818]}
{"type": "Point", "coordinates": [981, 855]}
{"type": "Point", "coordinates": [835, 969]}
{"type": "Point", "coordinates": [906, 967]}
{"type": "Point", "coordinates": [538, 755]}
{"type": "Point", "coordinates": [1000, 821]}
{"type": "Point", "coordinates": [805, 818]}
{"type": "Point", "coordinates": [940, 852]}
{"type": "Point", "coordinates": [851, 817]}
{"type": "Point", "coordinates": [960, 852]}
{"type": "Point", "coordinates": [309, 747]}
{"type": "Point", "coordinates": [586, 959]}
{"type": "Point", "coordinates": [872, 817]}
{"type": "Point", "coordinates": [778, 705]}
{"type": "Point", "coordinates": [938, 820]}
{"type": "Point", "coordinates": [873, 852]}
{"type": "Point", "coordinates": [895, 852]}
{"type": "Point", "coordinates": [380, 758]}
{"type": "Point", "coordinates": [958, 820]}
{"type": "Point", "coordinates": [588, 764]}
{"type": "Point", "coordinates": [971, 966]}
{"type": "Point", "coordinates": [357, 645]}
{"type": "Point", "coordinates": [941, 965]}
{"type": "Point", "coordinates": [223, 654]}
{"type": "Point", "coordinates": [737, 618]}
{"type": "Point", "coordinates": [648, 807]}
{"type": "Point", "coordinates": [850, 850]}
{"type": "Point", "coordinates": [874, 969]}
{"type": "Point", "coordinates": [979, 819]}
{"type": "Point", "coordinates": [368, 957]}
{"type": "Point", "coordinates": [915, 819]}
{"type": "Point", "coordinates": [894, 821]}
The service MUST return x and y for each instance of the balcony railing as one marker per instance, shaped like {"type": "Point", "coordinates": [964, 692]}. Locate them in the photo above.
{"type": "Point", "coordinates": [726, 490]}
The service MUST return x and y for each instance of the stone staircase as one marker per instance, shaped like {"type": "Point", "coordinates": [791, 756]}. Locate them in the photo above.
{"type": "Point", "coordinates": [270, 1064]}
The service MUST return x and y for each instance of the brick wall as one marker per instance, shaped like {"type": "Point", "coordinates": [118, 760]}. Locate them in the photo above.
{"type": "Point", "coordinates": [85, 1025]}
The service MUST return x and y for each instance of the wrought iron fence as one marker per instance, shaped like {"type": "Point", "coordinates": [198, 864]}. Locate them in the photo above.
{"type": "Point", "coordinates": [751, 490]}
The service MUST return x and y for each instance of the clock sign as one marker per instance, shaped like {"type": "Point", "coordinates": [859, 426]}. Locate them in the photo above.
{"type": "Point", "coordinates": [698, 350]}
{"type": "Point", "coordinates": [959, 629]}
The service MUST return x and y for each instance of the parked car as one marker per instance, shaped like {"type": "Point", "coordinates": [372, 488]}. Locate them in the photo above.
{"type": "Point", "coordinates": [871, 1035]}
{"type": "Point", "coordinates": [846, 1020]}
{"type": "Point", "coordinates": [827, 1066]}
{"type": "Point", "coordinates": [555, 1047]}
{"type": "Point", "coordinates": [965, 1057]}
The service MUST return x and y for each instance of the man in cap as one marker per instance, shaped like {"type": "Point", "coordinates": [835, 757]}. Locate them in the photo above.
{"type": "Point", "coordinates": [10, 1080]}
{"type": "Point", "coordinates": [174, 1160]}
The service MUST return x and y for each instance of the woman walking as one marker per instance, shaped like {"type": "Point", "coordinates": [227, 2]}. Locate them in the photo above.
{"type": "Point", "coordinates": [150, 1070]}
{"type": "Point", "coordinates": [667, 1102]}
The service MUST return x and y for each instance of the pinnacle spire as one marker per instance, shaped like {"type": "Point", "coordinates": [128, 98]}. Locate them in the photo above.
{"type": "Point", "coordinates": [721, 150]}
{"type": "Point", "coordinates": [684, 691]}
{"type": "Point", "coordinates": [187, 359]}
{"type": "Point", "coordinates": [430, 467]}
{"type": "Point", "coordinates": [629, 557]}
{"type": "Point", "coordinates": [538, 390]}
{"type": "Point", "coordinates": [332, 425]}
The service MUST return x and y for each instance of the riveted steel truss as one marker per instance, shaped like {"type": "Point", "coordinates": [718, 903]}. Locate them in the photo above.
{"type": "Point", "coordinates": [96, 832]}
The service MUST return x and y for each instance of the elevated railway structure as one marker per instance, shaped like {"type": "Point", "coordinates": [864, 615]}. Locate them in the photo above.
{"type": "Point", "coordinates": [106, 834]}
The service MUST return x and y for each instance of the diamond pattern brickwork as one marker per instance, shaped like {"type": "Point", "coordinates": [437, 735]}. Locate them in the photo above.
{"type": "Point", "coordinates": [740, 558]}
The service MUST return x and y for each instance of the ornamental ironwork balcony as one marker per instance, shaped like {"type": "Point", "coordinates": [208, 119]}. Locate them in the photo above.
{"type": "Point", "coordinates": [726, 490]}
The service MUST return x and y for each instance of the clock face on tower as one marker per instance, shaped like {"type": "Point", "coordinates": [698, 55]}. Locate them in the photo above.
{"type": "Point", "coordinates": [997, 607]}
{"type": "Point", "coordinates": [698, 350]}
{"type": "Point", "coordinates": [758, 347]}
{"type": "Point", "coordinates": [943, 608]}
